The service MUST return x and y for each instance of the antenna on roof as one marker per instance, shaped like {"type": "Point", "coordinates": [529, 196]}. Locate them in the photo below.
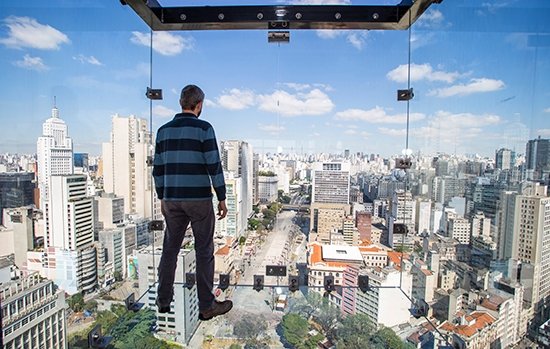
{"type": "Point", "coordinates": [54, 102]}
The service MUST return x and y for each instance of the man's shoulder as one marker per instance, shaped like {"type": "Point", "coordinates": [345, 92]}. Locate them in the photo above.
{"type": "Point", "coordinates": [186, 122]}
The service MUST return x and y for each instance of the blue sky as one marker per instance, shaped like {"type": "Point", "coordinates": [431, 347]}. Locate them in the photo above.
{"type": "Point", "coordinates": [480, 71]}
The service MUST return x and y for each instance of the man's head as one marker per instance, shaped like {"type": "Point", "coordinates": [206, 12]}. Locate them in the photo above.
{"type": "Point", "coordinates": [191, 99]}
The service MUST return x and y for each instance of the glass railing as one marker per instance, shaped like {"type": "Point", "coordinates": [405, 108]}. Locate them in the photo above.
{"type": "Point", "coordinates": [428, 237]}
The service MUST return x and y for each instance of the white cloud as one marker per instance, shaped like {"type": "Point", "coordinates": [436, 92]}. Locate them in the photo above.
{"type": "Point", "coordinates": [392, 132]}
{"type": "Point", "coordinates": [463, 120]}
{"type": "Point", "coordinates": [350, 131]}
{"type": "Point", "coordinates": [421, 72]}
{"type": "Point", "coordinates": [31, 63]}
{"type": "Point", "coordinates": [165, 43]}
{"type": "Point", "coordinates": [377, 115]}
{"type": "Point", "coordinates": [271, 128]}
{"type": "Point", "coordinates": [547, 110]}
{"type": "Point", "coordinates": [209, 103]}
{"type": "Point", "coordinates": [543, 132]}
{"type": "Point", "coordinates": [314, 102]}
{"type": "Point", "coordinates": [430, 19]}
{"type": "Point", "coordinates": [236, 99]}
{"type": "Point", "coordinates": [474, 86]}
{"type": "Point", "coordinates": [163, 112]}
{"type": "Point", "coordinates": [27, 32]}
{"type": "Point", "coordinates": [357, 39]}
{"type": "Point", "coordinates": [87, 59]}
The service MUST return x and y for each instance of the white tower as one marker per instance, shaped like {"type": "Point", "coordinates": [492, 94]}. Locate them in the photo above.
{"type": "Point", "coordinates": [55, 153]}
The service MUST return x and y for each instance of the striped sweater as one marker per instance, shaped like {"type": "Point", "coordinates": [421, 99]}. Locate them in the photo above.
{"type": "Point", "coordinates": [187, 161]}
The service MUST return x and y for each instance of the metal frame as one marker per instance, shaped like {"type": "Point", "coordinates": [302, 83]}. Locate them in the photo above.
{"type": "Point", "coordinates": [364, 17]}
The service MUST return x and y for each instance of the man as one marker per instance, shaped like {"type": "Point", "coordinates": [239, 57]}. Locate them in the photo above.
{"type": "Point", "coordinates": [186, 166]}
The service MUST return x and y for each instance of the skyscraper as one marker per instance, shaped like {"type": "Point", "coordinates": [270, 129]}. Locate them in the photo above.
{"type": "Point", "coordinates": [69, 241]}
{"type": "Point", "coordinates": [331, 183]}
{"type": "Point", "coordinates": [54, 150]}
{"type": "Point", "coordinates": [537, 158]}
{"type": "Point", "coordinates": [237, 157]}
{"type": "Point", "coordinates": [531, 242]}
{"type": "Point", "coordinates": [125, 170]}
{"type": "Point", "coordinates": [505, 159]}
{"type": "Point", "coordinates": [16, 190]}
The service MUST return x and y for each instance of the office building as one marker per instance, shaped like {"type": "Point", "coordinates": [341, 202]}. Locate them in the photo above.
{"type": "Point", "coordinates": [70, 234]}
{"type": "Point", "coordinates": [183, 319]}
{"type": "Point", "coordinates": [16, 190]}
{"type": "Point", "coordinates": [505, 159]}
{"type": "Point", "coordinates": [125, 170]}
{"type": "Point", "coordinates": [17, 234]}
{"type": "Point", "coordinates": [267, 188]}
{"type": "Point", "coordinates": [54, 150]}
{"type": "Point", "coordinates": [537, 159]}
{"type": "Point", "coordinates": [237, 158]}
{"type": "Point", "coordinates": [33, 314]}
{"type": "Point", "coordinates": [531, 238]}
{"type": "Point", "coordinates": [331, 183]}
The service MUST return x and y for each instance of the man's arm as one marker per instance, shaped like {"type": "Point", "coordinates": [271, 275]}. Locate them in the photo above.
{"type": "Point", "coordinates": [158, 168]}
{"type": "Point", "coordinates": [214, 164]}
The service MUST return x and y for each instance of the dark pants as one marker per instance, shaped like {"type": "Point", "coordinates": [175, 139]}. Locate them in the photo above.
{"type": "Point", "coordinates": [178, 214]}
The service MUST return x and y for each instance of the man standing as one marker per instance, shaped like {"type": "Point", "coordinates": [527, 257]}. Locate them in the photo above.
{"type": "Point", "coordinates": [186, 166]}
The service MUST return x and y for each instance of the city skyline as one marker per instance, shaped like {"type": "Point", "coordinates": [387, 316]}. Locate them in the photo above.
{"type": "Point", "coordinates": [325, 91]}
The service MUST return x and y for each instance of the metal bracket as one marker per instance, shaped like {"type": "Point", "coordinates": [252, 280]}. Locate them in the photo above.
{"type": "Point", "coordinates": [419, 309]}
{"type": "Point", "coordinates": [363, 283]}
{"type": "Point", "coordinates": [190, 280]}
{"type": "Point", "coordinates": [258, 283]}
{"type": "Point", "coordinates": [328, 283]}
{"type": "Point", "coordinates": [405, 95]}
{"type": "Point", "coordinates": [131, 304]}
{"type": "Point", "coordinates": [403, 164]}
{"type": "Point", "coordinates": [278, 36]}
{"type": "Point", "coordinates": [293, 283]}
{"type": "Point", "coordinates": [156, 225]}
{"type": "Point", "coordinates": [275, 270]}
{"type": "Point", "coordinates": [154, 93]}
{"type": "Point", "coordinates": [96, 339]}
{"type": "Point", "coordinates": [224, 282]}
{"type": "Point", "coordinates": [400, 229]}
{"type": "Point", "coordinates": [369, 17]}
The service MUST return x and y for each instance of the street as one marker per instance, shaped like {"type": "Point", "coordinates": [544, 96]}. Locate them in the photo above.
{"type": "Point", "coordinates": [277, 249]}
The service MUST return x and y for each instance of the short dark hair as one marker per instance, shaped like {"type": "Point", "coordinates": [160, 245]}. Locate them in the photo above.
{"type": "Point", "coordinates": [191, 95]}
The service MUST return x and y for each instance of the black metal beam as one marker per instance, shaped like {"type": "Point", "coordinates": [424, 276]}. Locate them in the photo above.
{"type": "Point", "coordinates": [266, 17]}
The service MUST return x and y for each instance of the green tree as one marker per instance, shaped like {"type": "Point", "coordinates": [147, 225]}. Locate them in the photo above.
{"type": "Point", "coordinates": [235, 346]}
{"type": "Point", "coordinates": [91, 305]}
{"type": "Point", "coordinates": [253, 223]}
{"type": "Point", "coordinates": [295, 329]}
{"type": "Point", "coordinates": [328, 318]}
{"type": "Point", "coordinates": [402, 248]}
{"type": "Point", "coordinates": [387, 339]}
{"type": "Point", "coordinates": [76, 302]}
{"type": "Point", "coordinates": [118, 276]}
{"type": "Point", "coordinates": [354, 331]}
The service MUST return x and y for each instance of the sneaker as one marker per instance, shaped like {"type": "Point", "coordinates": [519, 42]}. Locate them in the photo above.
{"type": "Point", "coordinates": [163, 308]}
{"type": "Point", "coordinates": [217, 308]}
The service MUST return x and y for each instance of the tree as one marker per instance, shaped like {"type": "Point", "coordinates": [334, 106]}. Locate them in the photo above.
{"type": "Point", "coordinates": [386, 338]}
{"type": "Point", "coordinates": [354, 331]}
{"type": "Point", "coordinates": [253, 223]}
{"type": "Point", "coordinates": [328, 317]}
{"type": "Point", "coordinates": [235, 346]}
{"type": "Point", "coordinates": [118, 275]}
{"type": "Point", "coordinates": [76, 302]}
{"type": "Point", "coordinates": [91, 305]}
{"type": "Point", "coordinates": [295, 329]}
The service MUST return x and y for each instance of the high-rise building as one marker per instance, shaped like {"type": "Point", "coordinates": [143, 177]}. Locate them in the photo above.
{"type": "Point", "coordinates": [255, 169]}
{"type": "Point", "coordinates": [125, 170]}
{"type": "Point", "coordinates": [33, 314]}
{"type": "Point", "coordinates": [423, 216]}
{"type": "Point", "coordinates": [537, 158]}
{"type": "Point", "coordinates": [54, 150]}
{"type": "Point", "coordinates": [69, 226]}
{"type": "Point", "coordinates": [505, 224]}
{"type": "Point", "coordinates": [325, 219]}
{"type": "Point", "coordinates": [531, 237]}
{"type": "Point", "coordinates": [505, 159]}
{"type": "Point", "coordinates": [363, 222]}
{"type": "Point", "coordinates": [235, 223]}
{"type": "Point", "coordinates": [18, 237]}
{"type": "Point", "coordinates": [183, 319]}
{"type": "Point", "coordinates": [350, 231]}
{"type": "Point", "coordinates": [481, 225]}
{"type": "Point", "coordinates": [267, 188]}
{"type": "Point", "coordinates": [237, 157]}
{"type": "Point", "coordinates": [459, 228]}
{"type": "Point", "coordinates": [16, 190]}
{"type": "Point", "coordinates": [403, 211]}
{"type": "Point", "coordinates": [331, 183]}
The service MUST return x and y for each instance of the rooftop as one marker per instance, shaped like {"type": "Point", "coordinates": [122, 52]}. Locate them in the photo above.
{"type": "Point", "coordinates": [477, 321]}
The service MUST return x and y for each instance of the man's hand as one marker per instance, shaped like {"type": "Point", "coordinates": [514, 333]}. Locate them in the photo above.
{"type": "Point", "coordinates": [222, 210]}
